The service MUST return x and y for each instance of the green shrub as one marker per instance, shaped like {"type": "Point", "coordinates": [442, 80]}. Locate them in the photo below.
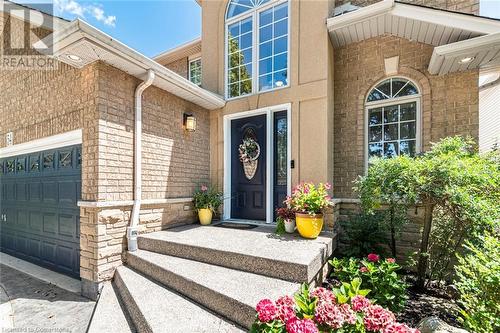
{"type": "Point", "coordinates": [478, 281]}
{"type": "Point", "coordinates": [380, 276]}
{"type": "Point", "coordinates": [363, 233]}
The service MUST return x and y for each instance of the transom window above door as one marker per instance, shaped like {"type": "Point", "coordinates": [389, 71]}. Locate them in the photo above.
{"type": "Point", "coordinates": [256, 46]}
{"type": "Point", "coordinates": [393, 119]}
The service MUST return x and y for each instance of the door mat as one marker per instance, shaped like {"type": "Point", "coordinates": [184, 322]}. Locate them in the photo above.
{"type": "Point", "coordinates": [236, 226]}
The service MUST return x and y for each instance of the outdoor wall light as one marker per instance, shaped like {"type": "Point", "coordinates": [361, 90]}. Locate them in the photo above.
{"type": "Point", "coordinates": [74, 57]}
{"type": "Point", "coordinates": [466, 60]}
{"type": "Point", "coordinates": [189, 122]}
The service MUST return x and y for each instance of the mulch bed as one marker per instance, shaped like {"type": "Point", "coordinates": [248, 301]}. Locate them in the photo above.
{"type": "Point", "coordinates": [434, 300]}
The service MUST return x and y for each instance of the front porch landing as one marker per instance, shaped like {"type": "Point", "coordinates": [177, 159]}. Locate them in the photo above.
{"type": "Point", "coordinates": [258, 250]}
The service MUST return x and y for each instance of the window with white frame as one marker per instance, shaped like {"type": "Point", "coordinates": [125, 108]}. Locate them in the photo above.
{"type": "Point", "coordinates": [256, 46]}
{"type": "Point", "coordinates": [393, 111]}
{"type": "Point", "coordinates": [195, 71]}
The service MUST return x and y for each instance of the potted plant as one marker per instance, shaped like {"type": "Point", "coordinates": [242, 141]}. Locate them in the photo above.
{"type": "Point", "coordinates": [206, 201]}
{"type": "Point", "coordinates": [308, 201]}
{"type": "Point", "coordinates": [286, 216]}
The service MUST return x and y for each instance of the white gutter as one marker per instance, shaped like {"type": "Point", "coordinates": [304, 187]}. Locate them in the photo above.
{"type": "Point", "coordinates": [132, 230]}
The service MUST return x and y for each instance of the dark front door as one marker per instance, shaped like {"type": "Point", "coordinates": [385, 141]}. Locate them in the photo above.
{"type": "Point", "coordinates": [40, 219]}
{"type": "Point", "coordinates": [248, 168]}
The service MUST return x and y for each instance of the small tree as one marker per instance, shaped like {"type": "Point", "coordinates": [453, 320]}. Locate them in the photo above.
{"type": "Point", "coordinates": [389, 182]}
{"type": "Point", "coordinates": [451, 176]}
{"type": "Point", "coordinates": [463, 184]}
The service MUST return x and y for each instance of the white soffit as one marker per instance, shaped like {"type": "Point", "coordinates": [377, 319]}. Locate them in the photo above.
{"type": "Point", "coordinates": [90, 45]}
{"type": "Point", "coordinates": [453, 34]}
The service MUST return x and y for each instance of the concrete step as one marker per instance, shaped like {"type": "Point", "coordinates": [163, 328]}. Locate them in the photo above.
{"type": "Point", "coordinates": [109, 314]}
{"type": "Point", "coordinates": [258, 250]}
{"type": "Point", "coordinates": [154, 308]}
{"type": "Point", "coordinates": [228, 292]}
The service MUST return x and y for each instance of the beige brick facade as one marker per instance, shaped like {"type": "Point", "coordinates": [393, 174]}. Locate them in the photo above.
{"type": "Point", "coordinates": [449, 103]}
{"type": "Point", "coordinates": [180, 66]}
{"type": "Point", "coordinates": [463, 6]}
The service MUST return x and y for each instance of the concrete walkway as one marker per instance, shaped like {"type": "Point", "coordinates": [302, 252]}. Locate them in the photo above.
{"type": "Point", "coordinates": [38, 306]}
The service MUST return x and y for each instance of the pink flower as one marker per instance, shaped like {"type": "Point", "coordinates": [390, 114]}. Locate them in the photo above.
{"type": "Point", "coordinates": [328, 186]}
{"type": "Point", "coordinates": [377, 318]}
{"type": "Point", "coordinates": [391, 260]}
{"type": "Point", "coordinates": [266, 310]}
{"type": "Point", "coordinates": [324, 295]}
{"type": "Point", "coordinates": [359, 303]}
{"type": "Point", "coordinates": [373, 257]}
{"type": "Point", "coordinates": [285, 308]}
{"type": "Point", "coordinates": [349, 315]}
{"type": "Point", "coordinates": [363, 269]}
{"type": "Point", "coordinates": [296, 325]}
{"type": "Point", "coordinates": [329, 314]}
{"type": "Point", "coordinates": [399, 328]}
{"type": "Point", "coordinates": [204, 188]}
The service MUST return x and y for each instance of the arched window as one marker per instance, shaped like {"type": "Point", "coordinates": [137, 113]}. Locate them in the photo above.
{"type": "Point", "coordinates": [393, 119]}
{"type": "Point", "coordinates": [256, 46]}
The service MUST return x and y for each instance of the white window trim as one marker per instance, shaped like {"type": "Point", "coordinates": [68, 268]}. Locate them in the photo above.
{"type": "Point", "coordinates": [395, 101]}
{"type": "Point", "coordinates": [47, 143]}
{"type": "Point", "coordinates": [189, 67]}
{"type": "Point", "coordinates": [254, 13]}
{"type": "Point", "coordinates": [269, 111]}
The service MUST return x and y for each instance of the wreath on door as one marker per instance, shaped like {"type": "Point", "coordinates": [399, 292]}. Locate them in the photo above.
{"type": "Point", "coordinates": [249, 152]}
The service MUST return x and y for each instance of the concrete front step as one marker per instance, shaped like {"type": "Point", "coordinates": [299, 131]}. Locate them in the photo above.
{"type": "Point", "coordinates": [228, 292]}
{"type": "Point", "coordinates": [154, 308]}
{"type": "Point", "coordinates": [109, 315]}
{"type": "Point", "coordinates": [258, 250]}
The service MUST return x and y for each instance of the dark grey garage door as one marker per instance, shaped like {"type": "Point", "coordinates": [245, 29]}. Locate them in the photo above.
{"type": "Point", "coordinates": [39, 218]}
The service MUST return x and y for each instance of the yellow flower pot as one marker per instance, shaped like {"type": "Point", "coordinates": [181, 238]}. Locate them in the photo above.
{"type": "Point", "coordinates": [205, 216]}
{"type": "Point", "coordinates": [309, 226]}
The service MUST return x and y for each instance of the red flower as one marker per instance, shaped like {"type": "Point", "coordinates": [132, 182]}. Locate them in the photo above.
{"type": "Point", "coordinates": [296, 325]}
{"type": "Point", "coordinates": [373, 257]}
{"type": "Point", "coordinates": [391, 260]}
{"type": "Point", "coordinates": [363, 269]}
{"type": "Point", "coordinates": [329, 314]}
{"type": "Point", "coordinates": [324, 295]}
{"type": "Point", "coordinates": [377, 318]}
{"type": "Point", "coordinates": [359, 303]}
{"type": "Point", "coordinates": [399, 328]}
{"type": "Point", "coordinates": [266, 310]}
{"type": "Point", "coordinates": [285, 308]}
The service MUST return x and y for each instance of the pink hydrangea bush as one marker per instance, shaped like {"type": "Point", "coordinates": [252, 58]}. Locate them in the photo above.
{"type": "Point", "coordinates": [319, 310]}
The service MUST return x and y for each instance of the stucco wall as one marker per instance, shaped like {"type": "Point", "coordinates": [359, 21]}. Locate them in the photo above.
{"type": "Point", "coordinates": [308, 93]}
{"type": "Point", "coordinates": [464, 6]}
{"type": "Point", "coordinates": [449, 103]}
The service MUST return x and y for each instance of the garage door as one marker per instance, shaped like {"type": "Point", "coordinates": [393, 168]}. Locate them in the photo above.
{"type": "Point", "coordinates": [39, 218]}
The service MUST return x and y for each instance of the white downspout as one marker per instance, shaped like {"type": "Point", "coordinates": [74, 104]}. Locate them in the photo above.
{"type": "Point", "coordinates": [132, 230]}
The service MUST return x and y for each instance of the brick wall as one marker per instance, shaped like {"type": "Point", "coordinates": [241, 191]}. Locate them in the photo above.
{"type": "Point", "coordinates": [449, 103]}
{"type": "Point", "coordinates": [463, 6]}
{"type": "Point", "coordinates": [180, 67]}
{"type": "Point", "coordinates": [174, 161]}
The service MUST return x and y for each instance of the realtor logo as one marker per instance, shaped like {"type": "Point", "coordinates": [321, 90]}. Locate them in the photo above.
{"type": "Point", "coordinates": [22, 27]}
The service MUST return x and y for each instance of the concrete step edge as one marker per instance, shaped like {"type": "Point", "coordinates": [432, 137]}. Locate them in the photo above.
{"type": "Point", "coordinates": [226, 306]}
{"type": "Point", "coordinates": [287, 271]}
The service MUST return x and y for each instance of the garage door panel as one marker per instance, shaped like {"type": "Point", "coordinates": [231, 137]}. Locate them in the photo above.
{"type": "Point", "coordinates": [50, 194]}
{"type": "Point", "coordinates": [39, 195]}
{"type": "Point", "coordinates": [35, 192]}
{"type": "Point", "coordinates": [36, 221]}
{"type": "Point", "coordinates": [49, 223]}
{"type": "Point", "coordinates": [67, 192]}
{"type": "Point", "coordinates": [67, 225]}
{"type": "Point", "coordinates": [22, 219]}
